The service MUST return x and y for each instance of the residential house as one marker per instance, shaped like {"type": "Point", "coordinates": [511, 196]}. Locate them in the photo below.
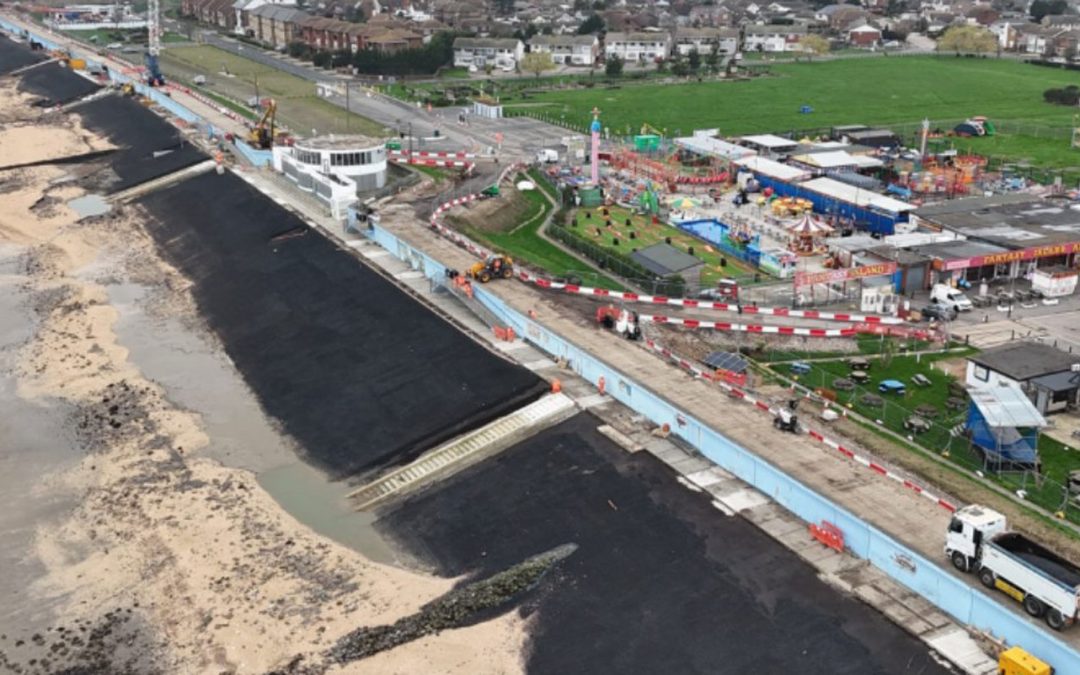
{"type": "Point", "coordinates": [1037, 39]}
{"type": "Point", "coordinates": [863, 34]}
{"type": "Point", "coordinates": [773, 38]}
{"type": "Point", "coordinates": [211, 12]}
{"type": "Point", "coordinates": [1061, 20]}
{"type": "Point", "coordinates": [709, 15]}
{"type": "Point", "coordinates": [393, 40]}
{"type": "Point", "coordinates": [638, 47]}
{"type": "Point", "coordinates": [1007, 35]}
{"type": "Point", "coordinates": [1049, 376]}
{"type": "Point", "coordinates": [837, 17]}
{"type": "Point", "coordinates": [277, 26]}
{"type": "Point", "coordinates": [482, 52]}
{"type": "Point", "coordinates": [242, 11]}
{"type": "Point", "coordinates": [319, 32]}
{"type": "Point", "coordinates": [705, 40]}
{"type": "Point", "coordinates": [569, 50]}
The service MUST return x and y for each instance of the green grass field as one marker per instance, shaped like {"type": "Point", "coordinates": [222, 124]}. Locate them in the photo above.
{"type": "Point", "coordinates": [892, 91]}
{"type": "Point", "coordinates": [1057, 460]}
{"type": "Point", "coordinates": [646, 234]}
{"type": "Point", "coordinates": [523, 241]}
{"type": "Point", "coordinates": [235, 77]}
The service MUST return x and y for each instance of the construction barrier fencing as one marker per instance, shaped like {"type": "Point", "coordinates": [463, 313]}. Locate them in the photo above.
{"type": "Point", "coordinates": [955, 595]}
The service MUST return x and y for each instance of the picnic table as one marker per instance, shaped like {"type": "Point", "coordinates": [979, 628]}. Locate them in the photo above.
{"type": "Point", "coordinates": [891, 387]}
{"type": "Point", "coordinates": [859, 363]}
{"type": "Point", "coordinates": [860, 376]}
{"type": "Point", "coordinates": [916, 424]}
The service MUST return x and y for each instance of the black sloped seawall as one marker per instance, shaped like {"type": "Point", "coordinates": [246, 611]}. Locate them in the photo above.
{"type": "Point", "coordinates": [14, 55]}
{"type": "Point", "coordinates": [56, 83]}
{"type": "Point", "coordinates": [359, 372]}
{"type": "Point", "coordinates": [660, 583]}
{"type": "Point", "coordinates": [149, 147]}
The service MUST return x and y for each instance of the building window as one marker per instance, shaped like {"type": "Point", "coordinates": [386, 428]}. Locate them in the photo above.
{"type": "Point", "coordinates": [981, 373]}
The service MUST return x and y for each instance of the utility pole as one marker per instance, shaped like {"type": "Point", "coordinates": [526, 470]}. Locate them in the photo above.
{"type": "Point", "coordinates": [410, 142]}
{"type": "Point", "coordinates": [258, 101]}
{"type": "Point", "coordinates": [347, 107]}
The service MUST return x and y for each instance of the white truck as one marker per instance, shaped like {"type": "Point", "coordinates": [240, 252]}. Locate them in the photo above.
{"type": "Point", "coordinates": [547, 156]}
{"type": "Point", "coordinates": [1047, 585]}
{"type": "Point", "coordinates": [947, 296]}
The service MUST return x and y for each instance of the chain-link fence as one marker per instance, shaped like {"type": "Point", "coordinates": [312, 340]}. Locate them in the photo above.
{"type": "Point", "coordinates": [940, 430]}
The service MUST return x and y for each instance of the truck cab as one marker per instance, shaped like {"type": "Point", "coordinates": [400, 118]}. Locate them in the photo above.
{"type": "Point", "coordinates": [968, 529]}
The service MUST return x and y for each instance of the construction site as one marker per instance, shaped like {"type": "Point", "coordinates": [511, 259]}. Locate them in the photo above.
{"type": "Point", "coordinates": [271, 419]}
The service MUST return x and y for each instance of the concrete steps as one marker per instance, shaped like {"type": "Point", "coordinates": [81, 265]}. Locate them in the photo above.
{"type": "Point", "coordinates": [467, 449]}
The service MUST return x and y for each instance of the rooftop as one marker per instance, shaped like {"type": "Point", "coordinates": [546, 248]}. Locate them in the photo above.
{"type": "Point", "coordinates": [1022, 361]}
{"type": "Point", "coordinates": [954, 250]}
{"type": "Point", "coordinates": [773, 168]}
{"type": "Point", "coordinates": [1005, 405]}
{"type": "Point", "coordinates": [353, 142]}
{"type": "Point", "coordinates": [1016, 221]}
{"type": "Point", "coordinates": [853, 195]}
{"type": "Point", "coordinates": [664, 259]}
{"type": "Point", "coordinates": [769, 141]}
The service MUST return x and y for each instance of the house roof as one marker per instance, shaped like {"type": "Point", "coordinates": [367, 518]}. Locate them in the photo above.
{"type": "Point", "coordinates": [687, 33]}
{"type": "Point", "coordinates": [664, 259]}
{"type": "Point", "coordinates": [776, 29]}
{"type": "Point", "coordinates": [564, 40]}
{"type": "Point", "coordinates": [1005, 405]}
{"type": "Point", "coordinates": [773, 168]}
{"type": "Point", "coordinates": [279, 13]}
{"type": "Point", "coordinates": [486, 43]}
{"type": "Point", "coordinates": [636, 37]}
{"type": "Point", "coordinates": [1023, 361]}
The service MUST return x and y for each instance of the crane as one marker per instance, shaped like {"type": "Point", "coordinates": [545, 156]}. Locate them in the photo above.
{"type": "Point", "coordinates": [154, 78]}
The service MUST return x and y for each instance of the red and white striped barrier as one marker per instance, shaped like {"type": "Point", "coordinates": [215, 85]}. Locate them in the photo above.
{"type": "Point", "coordinates": [433, 155]}
{"type": "Point", "coordinates": [736, 392]}
{"type": "Point", "coordinates": [747, 327]}
{"type": "Point", "coordinates": [415, 161]}
{"type": "Point", "coordinates": [688, 365]}
{"type": "Point", "coordinates": [605, 294]}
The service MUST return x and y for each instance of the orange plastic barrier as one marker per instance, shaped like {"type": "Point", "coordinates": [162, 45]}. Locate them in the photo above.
{"type": "Point", "coordinates": [828, 534]}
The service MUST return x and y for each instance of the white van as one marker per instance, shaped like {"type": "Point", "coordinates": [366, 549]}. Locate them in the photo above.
{"type": "Point", "coordinates": [946, 295]}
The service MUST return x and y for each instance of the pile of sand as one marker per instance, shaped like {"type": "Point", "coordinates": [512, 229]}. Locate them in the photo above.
{"type": "Point", "coordinates": [171, 562]}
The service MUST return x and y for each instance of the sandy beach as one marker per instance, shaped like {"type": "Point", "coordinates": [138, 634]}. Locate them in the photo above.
{"type": "Point", "coordinates": [165, 559]}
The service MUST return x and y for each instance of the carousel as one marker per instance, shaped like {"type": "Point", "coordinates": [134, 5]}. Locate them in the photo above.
{"type": "Point", "coordinates": [808, 234]}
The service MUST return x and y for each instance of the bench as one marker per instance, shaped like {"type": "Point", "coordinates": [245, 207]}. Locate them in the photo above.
{"type": "Point", "coordinates": [921, 380]}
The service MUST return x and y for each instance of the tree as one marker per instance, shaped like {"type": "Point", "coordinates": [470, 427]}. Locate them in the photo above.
{"type": "Point", "coordinates": [537, 62]}
{"type": "Point", "coordinates": [712, 59]}
{"type": "Point", "coordinates": [1041, 8]}
{"type": "Point", "coordinates": [694, 60]}
{"type": "Point", "coordinates": [593, 24]}
{"type": "Point", "coordinates": [814, 45]}
{"type": "Point", "coordinates": [967, 40]}
{"type": "Point", "coordinates": [614, 66]}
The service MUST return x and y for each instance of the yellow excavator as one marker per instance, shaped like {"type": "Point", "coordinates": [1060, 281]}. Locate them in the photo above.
{"type": "Point", "coordinates": [263, 134]}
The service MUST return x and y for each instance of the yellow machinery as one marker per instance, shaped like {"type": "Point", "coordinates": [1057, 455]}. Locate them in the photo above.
{"type": "Point", "coordinates": [647, 128]}
{"type": "Point", "coordinates": [495, 266]}
{"type": "Point", "coordinates": [1016, 661]}
{"type": "Point", "coordinates": [262, 135]}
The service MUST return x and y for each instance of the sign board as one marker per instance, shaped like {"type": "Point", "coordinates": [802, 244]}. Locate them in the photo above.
{"type": "Point", "coordinates": [845, 274]}
{"type": "Point", "coordinates": [1009, 256]}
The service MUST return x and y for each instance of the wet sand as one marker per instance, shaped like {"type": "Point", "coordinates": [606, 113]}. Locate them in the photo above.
{"type": "Point", "coordinates": [139, 537]}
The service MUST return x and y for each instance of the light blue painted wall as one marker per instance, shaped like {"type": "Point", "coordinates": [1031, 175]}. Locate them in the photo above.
{"type": "Point", "coordinates": [937, 583]}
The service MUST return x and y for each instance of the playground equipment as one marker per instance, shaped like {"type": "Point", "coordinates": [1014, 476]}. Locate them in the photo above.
{"type": "Point", "coordinates": [975, 126]}
{"type": "Point", "coordinates": [944, 175]}
{"type": "Point", "coordinates": [648, 202]}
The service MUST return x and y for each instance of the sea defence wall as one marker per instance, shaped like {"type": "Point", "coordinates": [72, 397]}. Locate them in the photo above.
{"type": "Point", "coordinates": [964, 602]}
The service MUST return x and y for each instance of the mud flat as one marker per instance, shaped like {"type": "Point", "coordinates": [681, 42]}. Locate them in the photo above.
{"type": "Point", "coordinates": [660, 582]}
{"type": "Point", "coordinates": [357, 371]}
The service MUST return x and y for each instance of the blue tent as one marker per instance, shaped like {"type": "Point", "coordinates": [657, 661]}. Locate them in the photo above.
{"type": "Point", "coordinates": [1004, 426]}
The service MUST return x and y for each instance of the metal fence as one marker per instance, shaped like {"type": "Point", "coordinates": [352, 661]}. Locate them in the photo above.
{"type": "Point", "coordinates": [943, 437]}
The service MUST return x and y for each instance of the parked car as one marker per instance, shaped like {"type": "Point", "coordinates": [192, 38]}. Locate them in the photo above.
{"type": "Point", "coordinates": [938, 312]}
{"type": "Point", "coordinates": [113, 45]}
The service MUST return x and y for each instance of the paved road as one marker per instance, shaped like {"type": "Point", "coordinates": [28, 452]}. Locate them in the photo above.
{"type": "Point", "coordinates": [266, 58]}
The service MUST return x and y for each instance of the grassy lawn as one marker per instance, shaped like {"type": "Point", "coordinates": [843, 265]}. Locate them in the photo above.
{"type": "Point", "coordinates": [646, 234]}
{"type": "Point", "coordinates": [1057, 459]}
{"type": "Point", "coordinates": [522, 241]}
{"type": "Point", "coordinates": [867, 345]}
{"type": "Point", "coordinates": [235, 77]}
{"type": "Point", "coordinates": [843, 91]}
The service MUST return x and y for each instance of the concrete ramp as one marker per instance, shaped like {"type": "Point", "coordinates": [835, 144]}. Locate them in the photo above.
{"type": "Point", "coordinates": [467, 449]}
